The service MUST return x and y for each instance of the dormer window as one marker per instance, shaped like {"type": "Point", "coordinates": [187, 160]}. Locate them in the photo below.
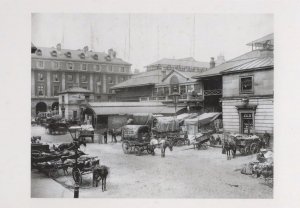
{"type": "Point", "coordinates": [82, 56]}
{"type": "Point", "coordinates": [95, 56]}
{"type": "Point", "coordinates": [39, 52]}
{"type": "Point", "coordinates": [68, 54]}
{"type": "Point", "coordinates": [54, 53]}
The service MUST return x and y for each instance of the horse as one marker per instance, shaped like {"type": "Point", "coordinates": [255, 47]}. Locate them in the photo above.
{"type": "Point", "coordinates": [229, 145]}
{"type": "Point", "coordinates": [164, 143]}
{"type": "Point", "coordinates": [70, 146]}
{"type": "Point", "coordinates": [100, 173]}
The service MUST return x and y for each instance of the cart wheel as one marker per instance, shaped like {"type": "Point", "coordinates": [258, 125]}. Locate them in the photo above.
{"type": "Point", "coordinates": [247, 150]}
{"type": "Point", "coordinates": [150, 150]}
{"type": "Point", "coordinates": [179, 143]}
{"type": "Point", "coordinates": [138, 151]}
{"type": "Point", "coordinates": [242, 151]}
{"type": "Point", "coordinates": [204, 146]}
{"type": "Point", "coordinates": [53, 173]}
{"type": "Point", "coordinates": [77, 175]}
{"type": "Point", "coordinates": [253, 148]}
{"type": "Point", "coordinates": [126, 148]}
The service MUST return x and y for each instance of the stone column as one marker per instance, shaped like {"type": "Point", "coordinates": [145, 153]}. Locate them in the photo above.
{"type": "Point", "coordinates": [48, 84]}
{"type": "Point", "coordinates": [104, 83]}
{"type": "Point", "coordinates": [63, 81]}
{"type": "Point", "coordinates": [32, 84]}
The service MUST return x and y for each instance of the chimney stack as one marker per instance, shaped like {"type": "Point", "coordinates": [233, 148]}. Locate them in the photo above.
{"type": "Point", "coordinates": [112, 54]}
{"type": "Point", "coordinates": [85, 49]}
{"type": "Point", "coordinates": [58, 47]}
{"type": "Point", "coordinates": [212, 63]}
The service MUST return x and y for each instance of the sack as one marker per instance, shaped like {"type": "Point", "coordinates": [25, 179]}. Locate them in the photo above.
{"type": "Point", "coordinates": [223, 151]}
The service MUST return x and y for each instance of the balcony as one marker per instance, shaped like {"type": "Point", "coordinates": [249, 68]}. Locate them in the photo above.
{"type": "Point", "coordinates": [213, 92]}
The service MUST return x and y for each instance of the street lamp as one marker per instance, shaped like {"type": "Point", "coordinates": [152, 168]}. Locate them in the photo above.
{"type": "Point", "coordinates": [175, 99]}
{"type": "Point", "coordinates": [73, 131]}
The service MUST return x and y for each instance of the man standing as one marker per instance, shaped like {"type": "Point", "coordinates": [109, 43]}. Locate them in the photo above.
{"type": "Point", "coordinates": [267, 138]}
{"type": "Point", "coordinates": [105, 136]}
{"type": "Point", "coordinates": [113, 136]}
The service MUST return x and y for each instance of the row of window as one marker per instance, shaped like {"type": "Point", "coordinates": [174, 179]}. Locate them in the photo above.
{"type": "Point", "coordinates": [84, 67]}
{"type": "Point", "coordinates": [182, 89]}
{"type": "Point", "coordinates": [56, 89]}
{"type": "Point", "coordinates": [84, 78]}
{"type": "Point", "coordinates": [176, 67]}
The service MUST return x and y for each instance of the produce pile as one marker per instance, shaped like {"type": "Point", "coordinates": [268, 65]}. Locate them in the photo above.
{"type": "Point", "coordinates": [261, 167]}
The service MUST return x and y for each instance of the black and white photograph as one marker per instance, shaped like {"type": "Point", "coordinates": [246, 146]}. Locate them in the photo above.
{"type": "Point", "coordinates": [149, 103]}
{"type": "Point", "coordinates": [152, 105]}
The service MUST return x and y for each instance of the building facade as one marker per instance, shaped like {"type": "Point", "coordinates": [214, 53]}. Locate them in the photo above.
{"type": "Point", "coordinates": [55, 69]}
{"type": "Point", "coordinates": [248, 96]}
{"type": "Point", "coordinates": [248, 91]}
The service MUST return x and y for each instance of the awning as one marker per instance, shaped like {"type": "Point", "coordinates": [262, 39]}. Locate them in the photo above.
{"type": "Point", "coordinates": [206, 118]}
{"type": "Point", "coordinates": [203, 119]}
{"type": "Point", "coordinates": [130, 110]}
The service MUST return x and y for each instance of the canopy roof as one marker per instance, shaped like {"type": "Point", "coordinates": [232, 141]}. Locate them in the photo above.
{"type": "Point", "coordinates": [204, 118]}
{"type": "Point", "coordinates": [130, 108]}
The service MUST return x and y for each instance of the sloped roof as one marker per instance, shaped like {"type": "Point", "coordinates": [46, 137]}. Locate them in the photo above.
{"type": "Point", "coordinates": [263, 40]}
{"type": "Point", "coordinates": [254, 64]}
{"type": "Point", "coordinates": [121, 108]}
{"type": "Point", "coordinates": [190, 61]}
{"type": "Point", "coordinates": [236, 62]}
{"type": "Point", "coordinates": [187, 75]}
{"type": "Point", "coordinates": [76, 90]}
{"type": "Point", "coordinates": [141, 79]}
{"type": "Point", "coordinates": [75, 55]}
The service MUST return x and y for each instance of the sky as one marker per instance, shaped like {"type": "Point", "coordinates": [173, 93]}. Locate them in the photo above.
{"type": "Point", "coordinates": [142, 39]}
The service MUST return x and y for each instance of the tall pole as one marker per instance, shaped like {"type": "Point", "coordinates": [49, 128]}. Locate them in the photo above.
{"type": "Point", "coordinates": [194, 36]}
{"type": "Point", "coordinates": [158, 42]}
{"type": "Point", "coordinates": [129, 25]}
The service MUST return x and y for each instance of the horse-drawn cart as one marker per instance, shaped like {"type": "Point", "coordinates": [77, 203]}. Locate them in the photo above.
{"type": "Point", "coordinates": [136, 138]}
{"type": "Point", "coordinates": [246, 144]}
{"type": "Point", "coordinates": [85, 165]}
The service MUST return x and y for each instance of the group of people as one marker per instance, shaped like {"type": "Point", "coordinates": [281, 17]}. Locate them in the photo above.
{"type": "Point", "coordinates": [113, 134]}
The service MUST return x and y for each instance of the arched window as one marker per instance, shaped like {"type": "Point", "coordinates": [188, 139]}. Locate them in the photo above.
{"type": "Point", "coordinates": [174, 82]}
{"type": "Point", "coordinates": [68, 54]}
{"type": "Point", "coordinates": [95, 56]}
{"type": "Point", "coordinates": [82, 55]}
{"type": "Point", "coordinates": [54, 53]}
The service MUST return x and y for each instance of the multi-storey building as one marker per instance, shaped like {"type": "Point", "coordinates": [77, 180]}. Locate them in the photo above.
{"type": "Point", "coordinates": [55, 69]}
{"type": "Point", "coordinates": [243, 89]}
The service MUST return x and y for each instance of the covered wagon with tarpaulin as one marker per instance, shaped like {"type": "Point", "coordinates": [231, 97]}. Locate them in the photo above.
{"type": "Point", "coordinates": [200, 129]}
{"type": "Point", "coordinates": [136, 138]}
{"type": "Point", "coordinates": [166, 127]}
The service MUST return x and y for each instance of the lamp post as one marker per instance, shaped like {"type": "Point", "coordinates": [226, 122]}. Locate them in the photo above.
{"type": "Point", "coordinates": [73, 131]}
{"type": "Point", "coordinates": [63, 110]}
{"type": "Point", "coordinates": [175, 99]}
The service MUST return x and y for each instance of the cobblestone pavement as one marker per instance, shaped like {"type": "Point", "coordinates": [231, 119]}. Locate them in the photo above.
{"type": "Point", "coordinates": [183, 173]}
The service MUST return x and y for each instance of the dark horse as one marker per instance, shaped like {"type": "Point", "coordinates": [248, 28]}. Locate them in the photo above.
{"type": "Point", "coordinates": [229, 145]}
{"type": "Point", "coordinates": [70, 146]}
{"type": "Point", "coordinates": [164, 144]}
{"type": "Point", "coordinates": [100, 173]}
